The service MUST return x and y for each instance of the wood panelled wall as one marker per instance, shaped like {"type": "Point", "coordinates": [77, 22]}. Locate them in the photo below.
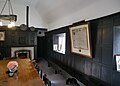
{"type": "Point", "coordinates": [100, 70]}
{"type": "Point", "coordinates": [17, 38]}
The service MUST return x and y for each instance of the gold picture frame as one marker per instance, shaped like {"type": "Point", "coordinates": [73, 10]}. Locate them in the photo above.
{"type": "Point", "coordinates": [81, 40]}
{"type": "Point", "coordinates": [2, 36]}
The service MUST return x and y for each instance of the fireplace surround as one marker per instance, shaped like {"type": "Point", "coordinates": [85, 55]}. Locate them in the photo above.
{"type": "Point", "coordinates": [22, 52]}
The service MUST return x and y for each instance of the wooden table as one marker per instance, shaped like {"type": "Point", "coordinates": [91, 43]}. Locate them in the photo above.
{"type": "Point", "coordinates": [25, 76]}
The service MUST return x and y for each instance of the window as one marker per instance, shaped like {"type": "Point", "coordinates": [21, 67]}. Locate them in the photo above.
{"type": "Point", "coordinates": [59, 41]}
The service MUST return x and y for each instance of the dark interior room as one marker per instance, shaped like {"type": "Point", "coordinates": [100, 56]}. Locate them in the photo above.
{"type": "Point", "coordinates": [59, 43]}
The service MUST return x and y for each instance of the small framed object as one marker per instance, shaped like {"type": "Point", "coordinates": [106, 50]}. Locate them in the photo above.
{"type": "Point", "coordinates": [2, 36]}
{"type": "Point", "coordinates": [81, 40]}
{"type": "Point", "coordinates": [59, 43]}
{"type": "Point", "coordinates": [117, 58]}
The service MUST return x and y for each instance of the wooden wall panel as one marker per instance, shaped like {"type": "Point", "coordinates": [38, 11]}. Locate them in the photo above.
{"type": "Point", "coordinates": [101, 68]}
{"type": "Point", "coordinates": [97, 53]}
{"type": "Point", "coordinates": [106, 74]}
{"type": "Point", "coordinates": [115, 78]}
{"type": "Point", "coordinates": [107, 55]}
{"type": "Point", "coordinates": [88, 68]}
{"type": "Point", "coordinates": [17, 38]}
{"type": "Point", "coordinates": [96, 70]}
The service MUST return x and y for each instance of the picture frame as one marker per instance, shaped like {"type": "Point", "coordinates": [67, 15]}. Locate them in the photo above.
{"type": "Point", "coordinates": [2, 36]}
{"type": "Point", "coordinates": [59, 43]}
{"type": "Point", "coordinates": [81, 40]}
{"type": "Point", "coordinates": [117, 61]}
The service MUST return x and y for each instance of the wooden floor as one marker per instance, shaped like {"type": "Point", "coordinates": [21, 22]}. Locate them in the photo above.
{"type": "Point", "coordinates": [25, 76]}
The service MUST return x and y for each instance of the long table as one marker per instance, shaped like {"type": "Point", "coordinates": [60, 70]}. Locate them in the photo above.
{"type": "Point", "coordinates": [25, 76]}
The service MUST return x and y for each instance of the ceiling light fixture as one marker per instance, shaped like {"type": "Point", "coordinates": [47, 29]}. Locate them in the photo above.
{"type": "Point", "coordinates": [10, 17]}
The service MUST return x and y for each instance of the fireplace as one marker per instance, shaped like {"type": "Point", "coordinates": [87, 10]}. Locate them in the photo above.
{"type": "Point", "coordinates": [22, 52]}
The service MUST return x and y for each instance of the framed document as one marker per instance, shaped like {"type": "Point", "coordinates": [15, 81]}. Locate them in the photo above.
{"type": "Point", "coordinates": [2, 36]}
{"type": "Point", "coordinates": [80, 40]}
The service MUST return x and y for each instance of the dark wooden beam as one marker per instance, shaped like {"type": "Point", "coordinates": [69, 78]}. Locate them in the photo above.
{"type": "Point", "coordinates": [27, 16]}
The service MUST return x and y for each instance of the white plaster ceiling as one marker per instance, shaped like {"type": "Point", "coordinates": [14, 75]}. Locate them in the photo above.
{"type": "Point", "coordinates": [51, 10]}
{"type": "Point", "coordinates": [69, 11]}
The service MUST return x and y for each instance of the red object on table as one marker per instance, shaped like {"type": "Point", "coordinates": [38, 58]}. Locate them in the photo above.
{"type": "Point", "coordinates": [12, 64]}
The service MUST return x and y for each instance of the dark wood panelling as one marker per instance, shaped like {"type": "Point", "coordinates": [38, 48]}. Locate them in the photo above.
{"type": "Point", "coordinates": [17, 38]}
{"type": "Point", "coordinates": [96, 70]}
{"type": "Point", "coordinates": [107, 35]}
{"type": "Point", "coordinates": [33, 38]}
{"type": "Point", "coordinates": [107, 55]}
{"type": "Point", "coordinates": [97, 53]}
{"type": "Point", "coordinates": [72, 63]}
{"type": "Point", "coordinates": [2, 52]}
{"type": "Point", "coordinates": [82, 65]}
{"type": "Point", "coordinates": [106, 74]}
{"type": "Point", "coordinates": [107, 21]}
{"type": "Point", "coordinates": [88, 68]}
{"type": "Point", "coordinates": [77, 61]}
{"type": "Point", "coordinates": [116, 20]}
{"type": "Point", "coordinates": [99, 70]}
{"type": "Point", "coordinates": [69, 61]}
{"type": "Point", "coordinates": [40, 46]}
{"type": "Point", "coordinates": [115, 78]}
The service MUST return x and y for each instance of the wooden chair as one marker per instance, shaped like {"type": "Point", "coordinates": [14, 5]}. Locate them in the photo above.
{"type": "Point", "coordinates": [46, 80]}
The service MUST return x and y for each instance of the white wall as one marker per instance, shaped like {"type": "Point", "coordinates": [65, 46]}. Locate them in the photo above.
{"type": "Point", "coordinates": [63, 15]}
{"type": "Point", "coordinates": [19, 9]}
{"type": "Point", "coordinates": [98, 9]}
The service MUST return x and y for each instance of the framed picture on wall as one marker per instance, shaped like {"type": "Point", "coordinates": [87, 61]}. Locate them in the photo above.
{"type": "Point", "coordinates": [81, 40]}
{"type": "Point", "coordinates": [2, 36]}
{"type": "Point", "coordinates": [117, 58]}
